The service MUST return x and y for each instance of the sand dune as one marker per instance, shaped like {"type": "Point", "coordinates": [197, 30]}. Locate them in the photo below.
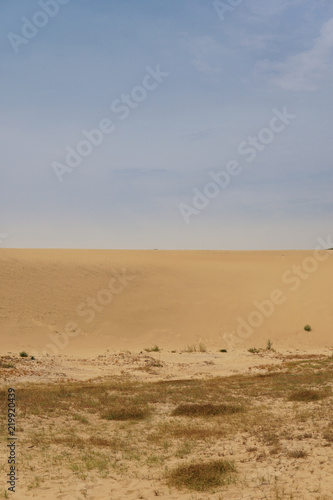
{"type": "Point", "coordinates": [83, 301]}
{"type": "Point", "coordinates": [98, 311]}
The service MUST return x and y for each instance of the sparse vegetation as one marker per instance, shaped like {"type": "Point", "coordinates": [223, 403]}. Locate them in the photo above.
{"type": "Point", "coordinates": [254, 350]}
{"type": "Point", "coordinates": [155, 348]}
{"type": "Point", "coordinates": [202, 476]}
{"type": "Point", "coordinates": [191, 348]}
{"type": "Point", "coordinates": [201, 347]}
{"type": "Point", "coordinates": [269, 345]}
{"type": "Point", "coordinates": [307, 395]}
{"type": "Point", "coordinates": [307, 328]}
{"type": "Point", "coordinates": [223, 350]}
{"type": "Point", "coordinates": [137, 426]}
{"type": "Point", "coordinates": [24, 354]}
{"type": "Point", "coordinates": [297, 454]}
{"type": "Point", "coordinates": [7, 365]}
{"type": "Point", "coordinates": [206, 410]}
{"type": "Point", "coordinates": [129, 412]}
{"type": "Point", "coordinates": [80, 418]}
{"type": "Point", "coordinates": [328, 436]}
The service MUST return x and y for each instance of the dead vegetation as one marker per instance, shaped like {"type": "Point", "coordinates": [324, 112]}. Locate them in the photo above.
{"type": "Point", "coordinates": [206, 410]}
{"type": "Point", "coordinates": [202, 476]}
{"type": "Point", "coordinates": [268, 416]}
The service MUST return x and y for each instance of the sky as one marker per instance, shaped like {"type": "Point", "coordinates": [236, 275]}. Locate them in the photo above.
{"type": "Point", "coordinates": [169, 124]}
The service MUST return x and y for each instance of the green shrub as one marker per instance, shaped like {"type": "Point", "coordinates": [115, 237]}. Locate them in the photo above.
{"type": "Point", "coordinates": [254, 350]}
{"type": "Point", "coordinates": [307, 328]}
{"type": "Point", "coordinates": [269, 345]}
{"type": "Point", "coordinates": [24, 354]}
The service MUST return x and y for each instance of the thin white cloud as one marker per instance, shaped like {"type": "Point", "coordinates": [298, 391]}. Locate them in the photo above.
{"type": "Point", "coordinates": [267, 9]}
{"type": "Point", "coordinates": [306, 71]}
{"type": "Point", "coordinates": [203, 50]}
{"type": "Point", "coordinates": [257, 42]}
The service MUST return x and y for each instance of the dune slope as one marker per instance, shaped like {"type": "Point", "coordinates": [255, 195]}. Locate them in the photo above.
{"type": "Point", "coordinates": [83, 301]}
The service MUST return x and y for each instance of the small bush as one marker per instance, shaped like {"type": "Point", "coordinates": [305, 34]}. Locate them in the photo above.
{"type": "Point", "coordinates": [223, 350]}
{"type": "Point", "coordinates": [205, 410]}
{"type": "Point", "coordinates": [307, 328]}
{"type": "Point", "coordinates": [155, 348]}
{"type": "Point", "coordinates": [269, 345]}
{"type": "Point", "coordinates": [24, 354]}
{"type": "Point", "coordinates": [202, 476]}
{"type": "Point", "coordinates": [254, 350]}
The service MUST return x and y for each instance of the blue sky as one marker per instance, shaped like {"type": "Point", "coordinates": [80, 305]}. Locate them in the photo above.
{"type": "Point", "coordinates": [225, 76]}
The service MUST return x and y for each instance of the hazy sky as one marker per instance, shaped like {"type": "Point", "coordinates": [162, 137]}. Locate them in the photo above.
{"type": "Point", "coordinates": [184, 90]}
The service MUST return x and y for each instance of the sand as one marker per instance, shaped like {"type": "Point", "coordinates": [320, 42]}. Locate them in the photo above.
{"type": "Point", "coordinates": [91, 316]}
{"type": "Point", "coordinates": [81, 301]}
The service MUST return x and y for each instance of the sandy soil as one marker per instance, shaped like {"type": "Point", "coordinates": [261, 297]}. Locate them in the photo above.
{"type": "Point", "coordinates": [89, 316]}
{"type": "Point", "coordinates": [265, 470]}
{"type": "Point", "coordinates": [79, 302]}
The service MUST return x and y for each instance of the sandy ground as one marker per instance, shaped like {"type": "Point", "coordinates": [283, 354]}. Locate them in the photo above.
{"type": "Point", "coordinates": [84, 302]}
{"type": "Point", "coordinates": [263, 473]}
{"type": "Point", "coordinates": [143, 366]}
{"type": "Point", "coordinates": [93, 315]}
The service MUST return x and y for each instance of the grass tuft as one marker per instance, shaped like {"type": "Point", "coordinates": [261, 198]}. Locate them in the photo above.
{"type": "Point", "coordinates": [129, 412]}
{"type": "Point", "coordinates": [24, 354]}
{"type": "Point", "coordinates": [7, 365]}
{"type": "Point", "coordinates": [155, 348]}
{"type": "Point", "coordinates": [201, 347]}
{"type": "Point", "coordinates": [307, 395]}
{"type": "Point", "coordinates": [206, 410]}
{"type": "Point", "coordinates": [269, 345]}
{"type": "Point", "coordinates": [297, 454]}
{"type": "Point", "coordinates": [202, 476]}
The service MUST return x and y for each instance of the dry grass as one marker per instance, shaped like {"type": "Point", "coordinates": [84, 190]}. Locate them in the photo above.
{"type": "Point", "coordinates": [297, 454]}
{"type": "Point", "coordinates": [136, 422]}
{"type": "Point", "coordinates": [127, 413]}
{"type": "Point", "coordinates": [202, 476]}
{"type": "Point", "coordinates": [200, 347]}
{"type": "Point", "coordinates": [307, 395]}
{"type": "Point", "coordinates": [155, 348]}
{"type": "Point", "coordinates": [175, 430]}
{"type": "Point", "coordinates": [7, 365]}
{"type": "Point", "coordinates": [206, 410]}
